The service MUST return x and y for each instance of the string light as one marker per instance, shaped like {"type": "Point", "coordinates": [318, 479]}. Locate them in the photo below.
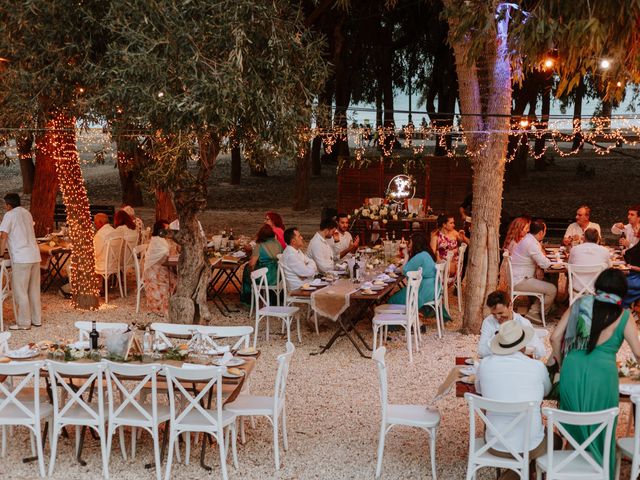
{"type": "Point", "coordinates": [605, 64]}
{"type": "Point", "coordinates": [548, 63]}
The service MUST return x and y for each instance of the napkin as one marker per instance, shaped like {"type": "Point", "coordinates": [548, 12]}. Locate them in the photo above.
{"type": "Point", "coordinates": [26, 349]}
{"type": "Point", "coordinates": [226, 358]}
{"type": "Point", "coordinates": [239, 254]}
{"type": "Point", "coordinates": [317, 282]}
{"type": "Point", "coordinates": [366, 285]}
{"type": "Point", "coordinates": [219, 350]}
{"type": "Point", "coordinates": [383, 277]}
{"type": "Point", "coordinates": [342, 266]}
{"type": "Point", "coordinates": [194, 365]}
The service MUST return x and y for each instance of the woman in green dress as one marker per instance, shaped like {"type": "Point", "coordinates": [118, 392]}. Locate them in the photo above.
{"type": "Point", "coordinates": [585, 344]}
{"type": "Point", "coordinates": [421, 256]}
{"type": "Point", "coordinates": [265, 254]}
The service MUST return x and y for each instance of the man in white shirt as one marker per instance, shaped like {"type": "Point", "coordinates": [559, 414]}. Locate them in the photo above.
{"type": "Point", "coordinates": [501, 309]}
{"type": "Point", "coordinates": [588, 253]}
{"type": "Point", "coordinates": [103, 229]}
{"type": "Point", "coordinates": [16, 231]}
{"type": "Point", "coordinates": [575, 231]}
{"type": "Point", "coordinates": [343, 242]}
{"type": "Point", "coordinates": [631, 230]}
{"type": "Point", "coordinates": [298, 268]}
{"type": "Point", "coordinates": [508, 375]}
{"type": "Point", "coordinates": [320, 250]}
{"type": "Point", "coordinates": [526, 256]}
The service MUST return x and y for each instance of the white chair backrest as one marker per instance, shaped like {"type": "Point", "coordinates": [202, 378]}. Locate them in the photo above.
{"type": "Point", "coordinates": [582, 279]}
{"type": "Point", "coordinates": [282, 280]}
{"type": "Point", "coordinates": [462, 250]}
{"type": "Point", "coordinates": [523, 414]}
{"type": "Point", "coordinates": [413, 289]}
{"type": "Point", "coordinates": [186, 405]}
{"type": "Point", "coordinates": [601, 421]}
{"type": "Point", "coordinates": [127, 381]}
{"type": "Point", "coordinates": [13, 407]}
{"type": "Point", "coordinates": [378, 356]}
{"type": "Point", "coordinates": [636, 431]}
{"type": "Point", "coordinates": [441, 270]}
{"type": "Point", "coordinates": [130, 240]}
{"type": "Point", "coordinates": [84, 328]}
{"type": "Point", "coordinates": [4, 341]}
{"type": "Point", "coordinates": [112, 252]}
{"type": "Point", "coordinates": [284, 360]}
{"type": "Point", "coordinates": [5, 278]}
{"type": "Point", "coordinates": [260, 288]}
{"type": "Point", "coordinates": [92, 411]}
{"type": "Point", "coordinates": [210, 334]}
{"type": "Point", "coordinates": [507, 258]}
{"type": "Point", "coordinates": [139, 253]}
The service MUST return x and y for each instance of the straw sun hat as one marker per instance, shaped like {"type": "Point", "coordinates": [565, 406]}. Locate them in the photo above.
{"type": "Point", "coordinates": [511, 337]}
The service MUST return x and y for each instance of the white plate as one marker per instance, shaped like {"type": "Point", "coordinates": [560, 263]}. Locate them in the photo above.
{"type": "Point", "coordinates": [557, 266]}
{"type": "Point", "coordinates": [245, 352]}
{"type": "Point", "coordinates": [377, 288]}
{"type": "Point", "coordinates": [319, 284]}
{"type": "Point", "coordinates": [468, 380]}
{"type": "Point", "coordinates": [469, 361]}
{"type": "Point", "coordinates": [234, 362]}
{"type": "Point", "coordinates": [629, 388]}
{"type": "Point", "coordinates": [367, 293]}
{"type": "Point", "coordinates": [470, 370]}
{"type": "Point", "coordinates": [21, 355]}
{"type": "Point", "coordinates": [308, 289]}
{"type": "Point", "coordinates": [231, 375]}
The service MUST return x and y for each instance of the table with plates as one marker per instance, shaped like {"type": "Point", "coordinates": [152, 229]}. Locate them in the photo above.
{"type": "Point", "coordinates": [54, 255]}
{"type": "Point", "coordinates": [357, 304]}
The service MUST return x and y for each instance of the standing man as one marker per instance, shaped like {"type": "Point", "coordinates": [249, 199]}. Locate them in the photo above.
{"type": "Point", "coordinates": [631, 230]}
{"type": "Point", "coordinates": [16, 231]}
{"type": "Point", "coordinates": [575, 231]}
{"type": "Point", "coordinates": [320, 250]}
{"type": "Point", "coordinates": [343, 242]}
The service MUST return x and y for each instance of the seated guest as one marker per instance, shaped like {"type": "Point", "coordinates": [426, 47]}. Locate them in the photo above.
{"type": "Point", "coordinates": [159, 280]}
{"type": "Point", "coordinates": [632, 257]}
{"type": "Point", "coordinates": [446, 239]}
{"type": "Point", "coordinates": [298, 268]}
{"type": "Point", "coordinates": [343, 242]}
{"type": "Point", "coordinates": [527, 255]}
{"type": "Point", "coordinates": [518, 228]}
{"type": "Point", "coordinates": [264, 254]}
{"type": "Point", "coordinates": [631, 230]}
{"type": "Point", "coordinates": [274, 220]}
{"type": "Point", "coordinates": [575, 231]}
{"type": "Point", "coordinates": [320, 250]}
{"type": "Point", "coordinates": [123, 221]}
{"type": "Point", "coordinates": [103, 229]}
{"type": "Point", "coordinates": [508, 375]}
{"type": "Point", "coordinates": [420, 256]}
{"type": "Point", "coordinates": [501, 309]}
{"type": "Point", "coordinates": [589, 253]}
{"type": "Point", "coordinates": [137, 220]}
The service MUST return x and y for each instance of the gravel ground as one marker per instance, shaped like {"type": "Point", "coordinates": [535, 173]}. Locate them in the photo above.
{"type": "Point", "coordinates": [332, 402]}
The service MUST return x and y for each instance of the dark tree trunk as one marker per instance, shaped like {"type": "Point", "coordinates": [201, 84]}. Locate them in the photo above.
{"type": "Point", "coordinates": [386, 68]}
{"type": "Point", "coordinates": [24, 146]}
{"type": "Point", "coordinates": [236, 165]}
{"type": "Point", "coordinates": [379, 117]}
{"type": "Point", "coordinates": [45, 182]}
{"type": "Point", "coordinates": [323, 121]}
{"type": "Point", "coordinates": [303, 178]}
{"type": "Point", "coordinates": [164, 206]}
{"type": "Point", "coordinates": [577, 115]}
{"type": "Point", "coordinates": [342, 91]}
{"type": "Point", "coordinates": [127, 160]}
{"type": "Point", "coordinates": [540, 143]}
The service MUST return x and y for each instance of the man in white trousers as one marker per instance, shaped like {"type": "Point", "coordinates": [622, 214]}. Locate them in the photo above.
{"type": "Point", "coordinates": [16, 233]}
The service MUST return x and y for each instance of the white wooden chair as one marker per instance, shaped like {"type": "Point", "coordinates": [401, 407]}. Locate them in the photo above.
{"type": "Point", "coordinates": [265, 311]}
{"type": "Point", "coordinates": [437, 304]}
{"type": "Point", "coordinates": [25, 410]}
{"type": "Point", "coordinates": [445, 292]}
{"type": "Point", "coordinates": [276, 289]}
{"type": "Point", "coordinates": [127, 381]}
{"type": "Point", "coordinates": [139, 253]}
{"type": "Point", "coordinates": [479, 455]}
{"type": "Point", "coordinates": [72, 409]}
{"type": "Point", "coordinates": [418, 416]}
{"type": "Point", "coordinates": [523, 293]}
{"type": "Point", "coordinates": [239, 337]}
{"type": "Point", "coordinates": [5, 289]}
{"type": "Point", "coordinates": [408, 320]}
{"type": "Point", "coordinates": [112, 254]}
{"type": "Point", "coordinates": [129, 243]}
{"type": "Point", "coordinates": [192, 416]}
{"type": "Point", "coordinates": [629, 447]}
{"type": "Point", "coordinates": [84, 328]}
{"type": "Point", "coordinates": [271, 407]}
{"type": "Point", "coordinates": [577, 462]}
{"type": "Point", "coordinates": [582, 279]}
{"type": "Point", "coordinates": [289, 301]}
{"type": "Point", "coordinates": [462, 250]}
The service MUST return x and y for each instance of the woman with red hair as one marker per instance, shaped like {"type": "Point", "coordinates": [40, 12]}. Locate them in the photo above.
{"type": "Point", "coordinates": [274, 220]}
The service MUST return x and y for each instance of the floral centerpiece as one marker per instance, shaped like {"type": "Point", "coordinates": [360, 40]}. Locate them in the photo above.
{"type": "Point", "coordinates": [384, 212]}
{"type": "Point", "coordinates": [630, 369]}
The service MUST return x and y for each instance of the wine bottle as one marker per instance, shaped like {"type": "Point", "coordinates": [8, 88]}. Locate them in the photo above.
{"type": "Point", "coordinates": [93, 336]}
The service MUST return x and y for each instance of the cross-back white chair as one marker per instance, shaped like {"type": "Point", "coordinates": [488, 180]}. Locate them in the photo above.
{"type": "Point", "coordinates": [289, 300]}
{"type": "Point", "coordinates": [139, 253]}
{"type": "Point", "coordinates": [417, 416]}
{"type": "Point", "coordinates": [124, 384]}
{"type": "Point", "coordinates": [193, 416]}
{"type": "Point", "coordinates": [408, 320]}
{"type": "Point", "coordinates": [72, 408]}
{"type": "Point", "coordinates": [84, 328]}
{"type": "Point", "coordinates": [213, 335]}
{"type": "Point", "coordinates": [276, 289]}
{"type": "Point", "coordinates": [582, 279]}
{"type": "Point", "coordinates": [129, 242]}
{"type": "Point", "coordinates": [4, 341]}
{"type": "Point", "coordinates": [265, 311]}
{"type": "Point", "coordinates": [112, 254]}
{"type": "Point", "coordinates": [523, 293]}
{"type": "Point", "coordinates": [271, 407]}
{"type": "Point", "coordinates": [437, 304]}
{"type": "Point", "coordinates": [479, 454]}
{"type": "Point", "coordinates": [17, 409]}
{"type": "Point", "coordinates": [629, 447]}
{"type": "Point", "coordinates": [5, 289]}
{"type": "Point", "coordinates": [445, 292]}
{"type": "Point", "coordinates": [577, 462]}
{"type": "Point", "coordinates": [462, 250]}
